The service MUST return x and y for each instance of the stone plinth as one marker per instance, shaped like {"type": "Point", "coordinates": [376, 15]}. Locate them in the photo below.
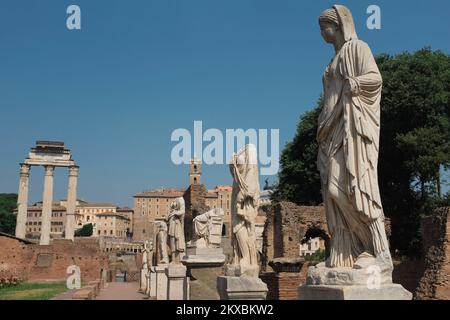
{"type": "Point", "coordinates": [143, 281]}
{"type": "Point", "coordinates": [152, 282]}
{"type": "Point", "coordinates": [178, 284]}
{"type": "Point", "coordinates": [241, 288]}
{"type": "Point", "coordinates": [353, 292]}
{"type": "Point", "coordinates": [204, 265]}
{"type": "Point", "coordinates": [148, 279]}
{"type": "Point", "coordinates": [204, 257]}
{"type": "Point", "coordinates": [371, 282]}
{"type": "Point", "coordinates": [161, 282]}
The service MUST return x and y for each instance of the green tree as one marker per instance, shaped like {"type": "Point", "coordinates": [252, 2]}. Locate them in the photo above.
{"type": "Point", "coordinates": [85, 231]}
{"type": "Point", "coordinates": [8, 202]}
{"type": "Point", "coordinates": [299, 179]}
{"type": "Point", "coordinates": [414, 145]}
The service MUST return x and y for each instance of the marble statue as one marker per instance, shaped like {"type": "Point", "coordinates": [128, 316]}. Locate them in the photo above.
{"type": "Point", "coordinates": [208, 228]}
{"type": "Point", "coordinates": [348, 137]}
{"type": "Point", "coordinates": [176, 230]}
{"type": "Point", "coordinates": [144, 268]}
{"type": "Point", "coordinates": [161, 242]}
{"type": "Point", "coordinates": [244, 209]}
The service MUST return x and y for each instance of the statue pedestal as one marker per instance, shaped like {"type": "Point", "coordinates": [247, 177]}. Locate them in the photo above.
{"type": "Point", "coordinates": [353, 292]}
{"type": "Point", "coordinates": [161, 282]}
{"type": "Point", "coordinates": [204, 265]}
{"type": "Point", "coordinates": [241, 288]}
{"type": "Point", "coordinates": [178, 283]}
{"type": "Point", "coordinates": [373, 282]}
{"type": "Point", "coordinates": [143, 281]}
{"type": "Point", "coordinates": [152, 286]}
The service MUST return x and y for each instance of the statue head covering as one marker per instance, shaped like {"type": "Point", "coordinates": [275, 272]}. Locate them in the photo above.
{"type": "Point", "coordinates": [329, 15]}
{"type": "Point", "coordinates": [342, 16]}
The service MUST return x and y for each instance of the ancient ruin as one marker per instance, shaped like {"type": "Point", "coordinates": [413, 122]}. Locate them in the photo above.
{"type": "Point", "coordinates": [50, 154]}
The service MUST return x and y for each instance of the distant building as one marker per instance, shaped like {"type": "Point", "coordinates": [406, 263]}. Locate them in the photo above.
{"type": "Point", "coordinates": [153, 205]}
{"type": "Point", "coordinates": [311, 246]}
{"type": "Point", "coordinates": [118, 220]}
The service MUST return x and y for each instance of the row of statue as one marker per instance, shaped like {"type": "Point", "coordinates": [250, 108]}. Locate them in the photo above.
{"type": "Point", "coordinates": [348, 138]}
{"type": "Point", "coordinates": [244, 209]}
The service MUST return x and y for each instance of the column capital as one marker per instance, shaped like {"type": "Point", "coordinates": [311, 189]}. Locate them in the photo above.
{"type": "Point", "coordinates": [73, 171]}
{"type": "Point", "coordinates": [24, 169]}
{"type": "Point", "coordinates": [49, 170]}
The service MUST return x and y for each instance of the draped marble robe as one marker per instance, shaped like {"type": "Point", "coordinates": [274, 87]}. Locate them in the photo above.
{"type": "Point", "coordinates": [348, 137]}
{"type": "Point", "coordinates": [244, 209]}
{"type": "Point", "coordinates": [176, 229]}
{"type": "Point", "coordinates": [144, 268]}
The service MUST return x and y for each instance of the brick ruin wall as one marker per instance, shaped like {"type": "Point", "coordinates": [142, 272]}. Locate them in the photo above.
{"type": "Point", "coordinates": [33, 262]}
{"type": "Point", "coordinates": [435, 282]}
{"type": "Point", "coordinates": [427, 278]}
{"type": "Point", "coordinates": [286, 225]}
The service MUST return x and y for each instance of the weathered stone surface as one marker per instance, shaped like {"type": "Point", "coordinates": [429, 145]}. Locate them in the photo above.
{"type": "Point", "coordinates": [152, 282]}
{"type": "Point", "coordinates": [93, 289]}
{"type": "Point", "coordinates": [203, 282]}
{"type": "Point", "coordinates": [287, 264]}
{"type": "Point", "coordinates": [286, 225]}
{"type": "Point", "coordinates": [241, 288]}
{"type": "Point", "coordinates": [96, 285]}
{"type": "Point", "coordinates": [178, 283]}
{"type": "Point", "coordinates": [22, 258]}
{"type": "Point", "coordinates": [161, 282]}
{"type": "Point", "coordinates": [435, 282]}
{"type": "Point", "coordinates": [204, 257]}
{"type": "Point", "coordinates": [353, 292]}
{"type": "Point", "coordinates": [83, 294]}
{"type": "Point", "coordinates": [321, 275]}
{"type": "Point", "coordinates": [208, 228]}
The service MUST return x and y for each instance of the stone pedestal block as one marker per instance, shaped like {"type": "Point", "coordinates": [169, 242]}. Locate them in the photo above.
{"type": "Point", "coordinates": [353, 292]}
{"type": "Point", "coordinates": [147, 287]}
{"type": "Point", "coordinates": [152, 282]}
{"type": "Point", "coordinates": [143, 281]}
{"type": "Point", "coordinates": [178, 283]}
{"type": "Point", "coordinates": [241, 288]}
{"type": "Point", "coordinates": [161, 282]}
{"type": "Point", "coordinates": [204, 266]}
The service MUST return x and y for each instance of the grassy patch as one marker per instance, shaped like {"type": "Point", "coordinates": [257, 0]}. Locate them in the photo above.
{"type": "Point", "coordinates": [32, 291]}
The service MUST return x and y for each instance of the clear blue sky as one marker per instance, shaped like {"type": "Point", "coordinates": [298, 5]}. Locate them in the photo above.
{"type": "Point", "coordinates": [139, 69]}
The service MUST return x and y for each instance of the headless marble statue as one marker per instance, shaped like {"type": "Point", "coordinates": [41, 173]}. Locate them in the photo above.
{"type": "Point", "coordinates": [176, 230]}
{"type": "Point", "coordinates": [161, 242]}
{"type": "Point", "coordinates": [244, 209]}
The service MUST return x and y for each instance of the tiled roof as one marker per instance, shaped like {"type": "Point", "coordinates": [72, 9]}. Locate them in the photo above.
{"type": "Point", "coordinates": [169, 193]}
{"type": "Point", "coordinates": [96, 205]}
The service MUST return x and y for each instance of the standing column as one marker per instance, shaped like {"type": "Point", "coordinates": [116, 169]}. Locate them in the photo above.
{"type": "Point", "coordinates": [22, 201]}
{"type": "Point", "coordinates": [47, 200]}
{"type": "Point", "coordinates": [71, 202]}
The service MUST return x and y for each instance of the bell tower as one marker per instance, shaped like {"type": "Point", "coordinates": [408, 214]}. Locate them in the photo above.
{"type": "Point", "coordinates": [195, 172]}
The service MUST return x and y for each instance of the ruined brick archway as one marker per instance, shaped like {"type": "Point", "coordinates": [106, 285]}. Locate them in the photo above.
{"type": "Point", "coordinates": [287, 225]}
